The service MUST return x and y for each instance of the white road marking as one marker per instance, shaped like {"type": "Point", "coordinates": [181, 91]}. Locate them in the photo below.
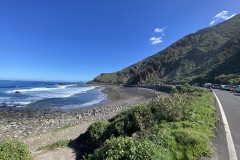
{"type": "Point", "coordinates": [231, 148]}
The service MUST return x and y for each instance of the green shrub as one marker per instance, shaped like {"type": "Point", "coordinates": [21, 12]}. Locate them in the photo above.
{"type": "Point", "coordinates": [141, 117]}
{"type": "Point", "coordinates": [96, 132]}
{"type": "Point", "coordinates": [129, 121]}
{"type": "Point", "coordinates": [122, 148]}
{"type": "Point", "coordinates": [172, 108]}
{"type": "Point", "coordinates": [232, 79]}
{"type": "Point", "coordinates": [167, 89]}
{"type": "Point", "coordinates": [186, 88]}
{"type": "Point", "coordinates": [14, 150]}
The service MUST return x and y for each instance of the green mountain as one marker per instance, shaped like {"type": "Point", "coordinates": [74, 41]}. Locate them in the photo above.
{"type": "Point", "coordinates": [209, 55]}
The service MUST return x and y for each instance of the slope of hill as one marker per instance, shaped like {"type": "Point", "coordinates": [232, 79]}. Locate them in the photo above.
{"type": "Point", "coordinates": [206, 55]}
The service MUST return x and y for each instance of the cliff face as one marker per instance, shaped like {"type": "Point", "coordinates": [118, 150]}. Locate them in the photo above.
{"type": "Point", "coordinates": [198, 57]}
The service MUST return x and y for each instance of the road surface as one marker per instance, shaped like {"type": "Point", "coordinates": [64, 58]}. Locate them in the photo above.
{"type": "Point", "coordinates": [231, 105]}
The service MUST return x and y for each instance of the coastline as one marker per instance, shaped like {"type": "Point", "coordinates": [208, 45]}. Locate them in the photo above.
{"type": "Point", "coordinates": [22, 124]}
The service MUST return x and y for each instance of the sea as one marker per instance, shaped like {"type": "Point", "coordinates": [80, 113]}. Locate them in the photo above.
{"type": "Point", "coordinates": [40, 95]}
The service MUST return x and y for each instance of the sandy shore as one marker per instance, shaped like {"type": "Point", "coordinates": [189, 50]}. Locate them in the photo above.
{"type": "Point", "coordinates": [22, 124]}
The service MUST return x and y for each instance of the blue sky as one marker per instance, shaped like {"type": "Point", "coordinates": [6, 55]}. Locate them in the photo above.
{"type": "Point", "coordinates": [76, 40]}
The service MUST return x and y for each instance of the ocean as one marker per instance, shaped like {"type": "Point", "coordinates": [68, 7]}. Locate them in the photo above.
{"type": "Point", "coordinates": [41, 95]}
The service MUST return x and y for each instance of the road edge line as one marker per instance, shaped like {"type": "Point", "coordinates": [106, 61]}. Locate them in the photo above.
{"type": "Point", "coordinates": [231, 148]}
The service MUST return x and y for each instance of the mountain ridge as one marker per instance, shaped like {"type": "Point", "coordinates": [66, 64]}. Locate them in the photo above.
{"type": "Point", "coordinates": [193, 58]}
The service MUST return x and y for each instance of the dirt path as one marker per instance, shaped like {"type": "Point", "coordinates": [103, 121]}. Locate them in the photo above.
{"type": "Point", "coordinates": [35, 142]}
{"type": "Point", "coordinates": [56, 154]}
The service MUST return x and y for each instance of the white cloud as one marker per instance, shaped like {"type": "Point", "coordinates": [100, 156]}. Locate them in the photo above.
{"type": "Point", "coordinates": [221, 16]}
{"type": "Point", "coordinates": [156, 40]}
{"type": "Point", "coordinates": [159, 30]}
{"type": "Point", "coordinates": [212, 22]}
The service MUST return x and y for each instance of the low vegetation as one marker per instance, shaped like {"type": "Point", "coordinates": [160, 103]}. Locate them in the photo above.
{"type": "Point", "coordinates": [14, 150]}
{"type": "Point", "coordinates": [167, 89]}
{"type": "Point", "coordinates": [232, 79]}
{"type": "Point", "coordinates": [64, 127]}
{"type": "Point", "coordinates": [171, 127]}
{"type": "Point", "coordinates": [60, 143]}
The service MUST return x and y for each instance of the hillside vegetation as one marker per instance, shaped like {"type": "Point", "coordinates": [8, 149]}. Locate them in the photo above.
{"type": "Point", "coordinates": [171, 127]}
{"type": "Point", "coordinates": [204, 56]}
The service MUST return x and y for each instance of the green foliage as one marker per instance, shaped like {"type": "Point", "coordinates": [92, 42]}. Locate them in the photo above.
{"type": "Point", "coordinates": [141, 117]}
{"type": "Point", "coordinates": [127, 148]}
{"type": "Point", "coordinates": [177, 127]}
{"type": "Point", "coordinates": [174, 108]}
{"type": "Point", "coordinates": [188, 139]}
{"type": "Point", "coordinates": [167, 89]}
{"type": "Point", "coordinates": [96, 132]}
{"type": "Point", "coordinates": [64, 127]}
{"type": "Point", "coordinates": [14, 150]}
{"type": "Point", "coordinates": [232, 79]}
{"type": "Point", "coordinates": [60, 143]}
{"type": "Point", "coordinates": [183, 142]}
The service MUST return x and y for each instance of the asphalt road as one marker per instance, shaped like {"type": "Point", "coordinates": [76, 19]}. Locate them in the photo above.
{"type": "Point", "coordinates": [231, 105]}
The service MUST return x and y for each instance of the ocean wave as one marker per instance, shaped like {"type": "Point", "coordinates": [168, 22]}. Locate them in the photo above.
{"type": "Point", "coordinates": [101, 97]}
{"type": "Point", "coordinates": [38, 94]}
{"type": "Point", "coordinates": [98, 100]}
{"type": "Point", "coordinates": [68, 93]}
{"type": "Point", "coordinates": [36, 89]}
{"type": "Point", "coordinates": [4, 98]}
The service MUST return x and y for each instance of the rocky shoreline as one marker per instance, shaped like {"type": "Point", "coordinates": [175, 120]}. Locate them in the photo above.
{"type": "Point", "coordinates": [21, 124]}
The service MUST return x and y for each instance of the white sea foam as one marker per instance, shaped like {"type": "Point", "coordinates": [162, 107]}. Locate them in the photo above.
{"type": "Point", "coordinates": [4, 98]}
{"type": "Point", "coordinates": [36, 94]}
{"type": "Point", "coordinates": [98, 100]}
{"type": "Point", "coordinates": [101, 97]}
{"type": "Point", "coordinates": [37, 89]}
{"type": "Point", "coordinates": [23, 102]}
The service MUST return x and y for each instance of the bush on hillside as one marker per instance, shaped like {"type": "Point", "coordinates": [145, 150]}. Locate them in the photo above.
{"type": "Point", "coordinates": [14, 150]}
{"type": "Point", "coordinates": [96, 132]}
{"type": "Point", "coordinates": [167, 89]}
{"type": "Point", "coordinates": [170, 127]}
{"type": "Point", "coordinates": [232, 79]}
{"type": "Point", "coordinates": [171, 108]}
{"type": "Point", "coordinates": [128, 148]}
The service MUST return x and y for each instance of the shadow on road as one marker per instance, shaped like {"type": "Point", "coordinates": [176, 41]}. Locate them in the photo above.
{"type": "Point", "coordinates": [236, 94]}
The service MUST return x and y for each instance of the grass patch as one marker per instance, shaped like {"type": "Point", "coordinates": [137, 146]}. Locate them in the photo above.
{"type": "Point", "coordinates": [14, 150]}
{"type": "Point", "coordinates": [177, 127]}
{"type": "Point", "coordinates": [60, 143]}
{"type": "Point", "coordinates": [60, 128]}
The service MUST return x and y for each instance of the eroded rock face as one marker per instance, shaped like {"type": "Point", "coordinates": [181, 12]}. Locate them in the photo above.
{"type": "Point", "coordinates": [196, 56]}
